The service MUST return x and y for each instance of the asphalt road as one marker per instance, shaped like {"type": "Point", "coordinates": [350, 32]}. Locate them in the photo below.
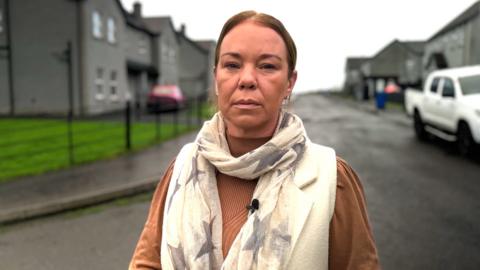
{"type": "Point", "coordinates": [423, 201]}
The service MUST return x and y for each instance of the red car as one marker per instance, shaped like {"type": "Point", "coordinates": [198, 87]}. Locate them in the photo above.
{"type": "Point", "coordinates": [165, 98]}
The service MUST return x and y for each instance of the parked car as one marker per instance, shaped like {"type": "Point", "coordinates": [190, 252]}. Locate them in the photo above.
{"type": "Point", "coordinates": [448, 107]}
{"type": "Point", "coordinates": [165, 98]}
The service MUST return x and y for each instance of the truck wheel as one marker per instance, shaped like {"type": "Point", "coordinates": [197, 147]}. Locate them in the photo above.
{"type": "Point", "coordinates": [419, 127]}
{"type": "Point", "coordinates": [466, 145]}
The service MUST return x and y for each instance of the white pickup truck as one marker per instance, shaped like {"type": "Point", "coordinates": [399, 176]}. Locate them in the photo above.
{"type": "Point", "coordinates": [448, 107]}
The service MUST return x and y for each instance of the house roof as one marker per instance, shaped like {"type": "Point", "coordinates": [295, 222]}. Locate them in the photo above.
{"type": "Point", "coordinates": [354, 63]}
{"type": "Point", "coordinates": [159, 24]}
{"type": "Point", "coordinates": [181, 35]}
{"type": "Point", "coordinates": [382, 63]}
{"type": "Point", "coordinates": [207, 44]}
{"type": "Point", "coordinates": [133, 21]}
{"type": "Point", "coordinates": [417, 47]}
{"type": "Point", "coordinates": [464, 17]}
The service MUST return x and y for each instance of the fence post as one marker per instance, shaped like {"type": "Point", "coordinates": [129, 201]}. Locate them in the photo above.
{"type": "Point", "coordinates": [68, 55]}
{"type": "Point", "coordinates": [128, 144]}
{"type": "Point", "coordinates": [70, 139]}
{"type": "Point", "coordinates": [9, 46]}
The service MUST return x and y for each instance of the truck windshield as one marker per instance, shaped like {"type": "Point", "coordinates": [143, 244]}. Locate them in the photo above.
{"type": "Point", "coordinates": [470, 84]}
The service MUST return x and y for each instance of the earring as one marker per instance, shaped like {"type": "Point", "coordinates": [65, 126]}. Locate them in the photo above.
{"type": "Point", "coordinates": [286, 100]}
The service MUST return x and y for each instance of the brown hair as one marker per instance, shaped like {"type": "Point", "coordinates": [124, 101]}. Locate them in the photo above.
{"type": "Point", "coordinates": [264, 20]}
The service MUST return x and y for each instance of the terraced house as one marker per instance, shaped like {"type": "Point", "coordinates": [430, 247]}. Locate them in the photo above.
{"type": "Point", "coordinates": [89, 55]}
{"type": "Point", "coordinates": [456, 44]}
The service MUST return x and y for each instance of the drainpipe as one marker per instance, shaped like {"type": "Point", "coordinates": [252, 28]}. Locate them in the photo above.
{"type": "Point", "coordinates": [10, 58]}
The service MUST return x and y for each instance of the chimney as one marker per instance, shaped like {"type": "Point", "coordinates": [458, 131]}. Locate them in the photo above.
{"type": "Point", "coordinates": [182, 29]}
{"type": "Point", "coordinates": [137, 10]}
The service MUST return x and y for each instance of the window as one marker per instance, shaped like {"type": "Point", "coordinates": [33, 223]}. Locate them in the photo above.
{"type": "Point", "coordinates": [113, 85]}
{"type": "Point", "coordinates": [470, 85]}
{"type": "Point", "coordinates": [410, 64]}
{"type": "Point", "coordinates": [99, 93]}
{"type": "Point", "coordinates": [448, 88]}
{"type": "Point", "coordinates": [434, 86]}
{"type": "Point", "coordinates": [112, 31]}
{"type": "Point", "coordinates": [96, 24]}
{"type": "Point", "coordinates": [142, 46]}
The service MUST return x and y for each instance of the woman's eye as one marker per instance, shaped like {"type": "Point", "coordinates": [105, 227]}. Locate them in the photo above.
{"type": "Point", "coordinates": [231, 65]}
{"type": "Point", "coordinates": [268, 66]}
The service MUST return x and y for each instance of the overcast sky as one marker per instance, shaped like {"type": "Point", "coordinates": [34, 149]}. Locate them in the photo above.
{"type": "Point", "coordinates": [325, 32]}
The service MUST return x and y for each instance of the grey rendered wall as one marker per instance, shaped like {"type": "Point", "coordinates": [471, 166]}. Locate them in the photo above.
{"type": "Point", "coordinates": [413, 69]}
{"type": "Point", "coordinates": [455, 45]}
{"type": "Point", "coordinates": [138, 46]}
{"type": "Point", "coordinates": [211, 63]}
{"type": "Point", "coordinates": [475, 45]}
{"type": "Point", "coordinates": [4, 95]}
{"type": "Point", "coordinates": [389, 62]}
{"type": "Point", "coordinates": [168, 57]}
{"type": "Point", "coordinates": [40, 31]}
{"type": "Point", "coordinates": [99, 53]}
{"type": "Point", "coordinates": [192, 69]}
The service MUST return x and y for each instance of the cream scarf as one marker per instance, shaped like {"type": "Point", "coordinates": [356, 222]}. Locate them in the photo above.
{"type": "Point", "coordinates": [193, 217]}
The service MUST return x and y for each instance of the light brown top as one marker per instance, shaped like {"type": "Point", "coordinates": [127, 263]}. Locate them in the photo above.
{"type": "Point", "coordinates": [351, 244]}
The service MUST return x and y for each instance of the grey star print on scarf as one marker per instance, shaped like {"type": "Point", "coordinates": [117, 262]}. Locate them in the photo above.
{"type": "Point", "coordinates": [193, 217]}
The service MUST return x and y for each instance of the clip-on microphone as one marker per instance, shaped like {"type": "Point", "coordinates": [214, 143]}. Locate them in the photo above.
{"type": "Point", "coordinates": [253, 206]}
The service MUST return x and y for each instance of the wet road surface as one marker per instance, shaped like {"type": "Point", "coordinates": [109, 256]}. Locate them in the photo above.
{"type": "Point", "coordinates": [423, 201]}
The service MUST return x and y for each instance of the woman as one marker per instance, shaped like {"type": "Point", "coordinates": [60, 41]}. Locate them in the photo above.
{"type": "Point", "coordinates": [305, 207]}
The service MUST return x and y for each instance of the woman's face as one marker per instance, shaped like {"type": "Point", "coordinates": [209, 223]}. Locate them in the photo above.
{"type": "Point", "coordinates": [252, 80]}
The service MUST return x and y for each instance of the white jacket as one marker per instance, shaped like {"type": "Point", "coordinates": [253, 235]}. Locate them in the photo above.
{"type": "Point", "coordinates": [313, 191]}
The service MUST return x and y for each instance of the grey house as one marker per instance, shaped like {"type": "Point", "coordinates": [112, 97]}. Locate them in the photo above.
{"type": "Point", "coordinates": [92, 54]}
{"type": "Point", "coordinates": [94, 34]}
{"type": "Point", "coordinates": [354, 81]}
{"type": "Point", "coordinates": [141, 51]}
{"type": "Point", "coordinates": [194, 67]}
{"type": "Point", "coordinates": [166, 60]}
{"type": "Point", "coordinates": [456, 44]}
{"type": "Point", "coordinates": [36, 78]}
{"type": "Point", "coordinates": [210, 46]}
{"type": "Point", "coordinates": [184, 62]}
{"type": "Point", "coordinates": [399, 62]}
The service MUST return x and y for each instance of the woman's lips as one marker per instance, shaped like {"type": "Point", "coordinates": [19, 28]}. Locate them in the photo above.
{"type": "Point", "coordinates": [246, 105]}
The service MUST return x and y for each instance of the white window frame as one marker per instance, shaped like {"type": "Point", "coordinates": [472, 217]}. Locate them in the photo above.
{"type": "Point", "coordinates": [99, 83]}
{"type": "Point", "coordinates": [142, 45]}
{"type": "Point", "coordinates": [113, 85]}
{"type": "Point", "coordinates": [111, 30]}
{"type": "Point", "coordinates": [97, 24]}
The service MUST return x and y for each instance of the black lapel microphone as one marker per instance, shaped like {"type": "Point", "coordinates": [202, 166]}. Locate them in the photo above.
{"type": "Point", "coordinates": [253, 206]}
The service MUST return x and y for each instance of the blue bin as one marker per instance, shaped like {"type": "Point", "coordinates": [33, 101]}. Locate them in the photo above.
{"type": "Point", "coordinates": [381, 99]}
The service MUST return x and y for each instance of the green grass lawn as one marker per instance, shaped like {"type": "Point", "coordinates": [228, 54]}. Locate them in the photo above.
{"type": "Point", "coordinates": [34, 146]}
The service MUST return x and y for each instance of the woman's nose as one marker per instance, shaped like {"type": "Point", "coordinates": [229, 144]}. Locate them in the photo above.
{"type": "Point", "coordinates": [248, 79]}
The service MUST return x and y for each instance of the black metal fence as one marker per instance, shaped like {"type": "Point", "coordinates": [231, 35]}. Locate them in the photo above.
{"type": "Point", "coordinates": [30, 145]}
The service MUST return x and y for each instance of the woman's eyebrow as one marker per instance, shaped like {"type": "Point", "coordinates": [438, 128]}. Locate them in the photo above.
{"type": "Point", "coordinates": [268, 55]}
{"type": "Point", "coordinates": [232, 54]}
{"type": "Point", "coordinates": [262, 57]}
